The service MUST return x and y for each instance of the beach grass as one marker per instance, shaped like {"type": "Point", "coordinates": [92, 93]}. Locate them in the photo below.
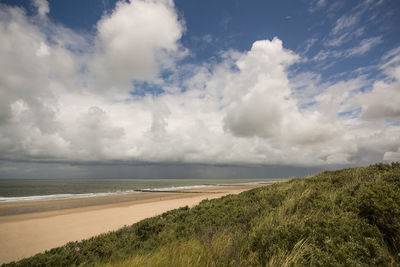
{"type": "Point", "coordinates": [348, 217]}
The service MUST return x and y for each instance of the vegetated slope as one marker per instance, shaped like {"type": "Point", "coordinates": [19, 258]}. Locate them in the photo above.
{"type": "Point", "coordinates": [349, 217]}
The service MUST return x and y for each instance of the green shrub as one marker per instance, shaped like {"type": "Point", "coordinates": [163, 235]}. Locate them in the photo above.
{"type": "Point", "coordinates": [349, 217]}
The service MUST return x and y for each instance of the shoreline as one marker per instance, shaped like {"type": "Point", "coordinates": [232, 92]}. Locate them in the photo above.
{"type": "Point", "coordinates": [62, 195]}
{"type": "Point", "coordinates": [27, 228]}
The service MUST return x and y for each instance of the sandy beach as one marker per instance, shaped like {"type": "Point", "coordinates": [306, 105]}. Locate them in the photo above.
{"type": "Point", "coordinates": [27, 228]}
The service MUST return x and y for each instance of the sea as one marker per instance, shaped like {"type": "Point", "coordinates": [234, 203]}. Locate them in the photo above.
{"type": "Point", "coordinates": [22, 190]}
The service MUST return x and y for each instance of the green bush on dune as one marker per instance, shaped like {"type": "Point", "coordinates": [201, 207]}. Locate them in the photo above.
{"type": "Point", "coordinates": [349, 217]}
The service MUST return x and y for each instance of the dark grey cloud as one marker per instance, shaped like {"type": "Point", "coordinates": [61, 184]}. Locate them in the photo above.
{"type": "Point", "coordinates": [26, 170]}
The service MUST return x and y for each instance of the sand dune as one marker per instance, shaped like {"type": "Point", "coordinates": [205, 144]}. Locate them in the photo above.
{"type": "Point", "coordinates": [34, 227]}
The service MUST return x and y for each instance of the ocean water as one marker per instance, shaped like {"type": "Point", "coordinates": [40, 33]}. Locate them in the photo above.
{"type": "Point", "coordinates": [19, 190]}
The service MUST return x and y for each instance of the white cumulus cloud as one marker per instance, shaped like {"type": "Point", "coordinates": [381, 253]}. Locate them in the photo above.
{"type": "Point", "coordinates": [65, 99]}
{"type": "Point", "coordinates": [132, 40]}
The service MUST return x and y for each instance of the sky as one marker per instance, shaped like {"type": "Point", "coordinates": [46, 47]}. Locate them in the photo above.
{"type": "Point", "coordinates": [197, 89]}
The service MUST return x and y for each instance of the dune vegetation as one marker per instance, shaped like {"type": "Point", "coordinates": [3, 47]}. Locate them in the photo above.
{"type": "Point", "coordinates": [348, 217]}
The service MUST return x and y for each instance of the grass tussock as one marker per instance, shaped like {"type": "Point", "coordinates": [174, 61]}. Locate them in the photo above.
{"type": "Point", "coordinates": [349, 217]}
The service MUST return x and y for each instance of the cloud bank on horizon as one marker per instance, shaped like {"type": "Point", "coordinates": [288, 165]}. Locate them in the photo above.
{"type": "Point", "coordinates": [126, 94]}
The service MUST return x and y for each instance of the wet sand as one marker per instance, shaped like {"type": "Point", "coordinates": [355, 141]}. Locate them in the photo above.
{"type": "Point", "coordinates": [27, 228]}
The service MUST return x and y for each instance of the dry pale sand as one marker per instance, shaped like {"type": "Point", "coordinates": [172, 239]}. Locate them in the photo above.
{"type": "Point", "coordinates": [28, 228]}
